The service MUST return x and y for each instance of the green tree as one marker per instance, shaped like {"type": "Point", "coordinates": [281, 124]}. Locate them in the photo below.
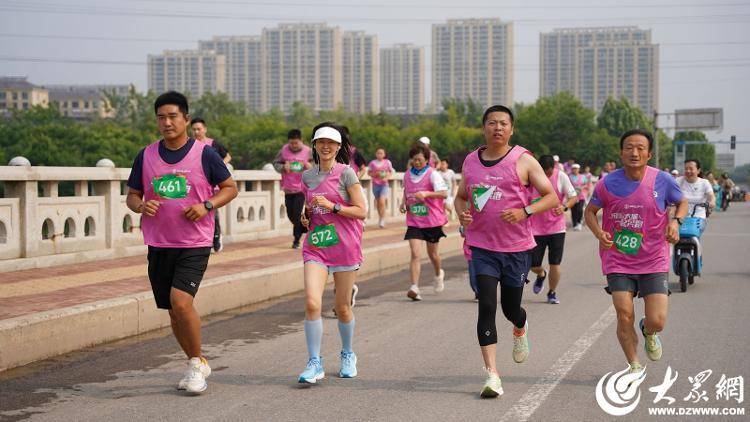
{"type": "Point", "coordinates": [619, 116]}
{"type": "Point", "coordinates": [561, 125]}
{"type": "Point", "coordinates": [704, 151]}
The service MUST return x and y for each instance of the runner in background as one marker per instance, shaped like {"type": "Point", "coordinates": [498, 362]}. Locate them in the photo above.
{"type": "Point", "coordinates": [200, 133]}
{"type": "Point", "coordinates": [293, 158]}
{"type": "Point", "coordinates": [549, 229]}
{"type": "Point", "coordinates": [380, 170]}
{"type": "Point", "coordinates": [424, 194]}
{"type": "Point", "coordinates": [449, 177]}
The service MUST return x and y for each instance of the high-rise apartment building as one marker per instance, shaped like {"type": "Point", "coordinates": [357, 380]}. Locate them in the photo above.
{"type": "Point", "coordinates": [596, 63]}
{"type": "Point", "coordinates": [360, 72]}
{"type": "Point", "coordinates": [191, 72]}
{"type": "Point", "coordinates": [472, 59]}
{"type": "Point", "coordinates": [244, 81]}
{"type": "Point", "coordinates": [402, 79]}
{"type": "Point", "coordinates": [302, 62]}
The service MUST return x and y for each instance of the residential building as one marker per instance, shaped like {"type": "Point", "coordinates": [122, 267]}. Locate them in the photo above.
{"type": "Point", "coordinates": [596, 63]}
{"type": "Point", "coordinates": [472, 59]}
{"type": "Point", "coordinates": [402, 79]}
{"type": "Point", "coordinates": [191, 72]}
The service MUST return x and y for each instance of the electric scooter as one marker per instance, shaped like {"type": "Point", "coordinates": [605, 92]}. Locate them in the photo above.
{"type": "Point", "coordinates": [687, 259]}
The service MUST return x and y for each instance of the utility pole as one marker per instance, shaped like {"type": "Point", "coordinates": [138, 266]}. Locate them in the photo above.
{"type": "Point", "coordinates": [656, 139]}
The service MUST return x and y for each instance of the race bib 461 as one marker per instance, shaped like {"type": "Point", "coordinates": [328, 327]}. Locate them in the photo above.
{"type": "Point", "coordinates": [170, 186]}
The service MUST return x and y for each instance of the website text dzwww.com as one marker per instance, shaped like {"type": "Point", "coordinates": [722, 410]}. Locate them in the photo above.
{"type": "Point", "coordinates": [696, 411]}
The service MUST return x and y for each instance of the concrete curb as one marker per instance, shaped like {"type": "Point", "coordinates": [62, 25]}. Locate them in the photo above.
{"type": "Point", "coordinates": [33, 337]}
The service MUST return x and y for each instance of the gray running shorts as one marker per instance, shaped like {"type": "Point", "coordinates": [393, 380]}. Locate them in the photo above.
{"type": "Point", "coordinates": [640, 284]}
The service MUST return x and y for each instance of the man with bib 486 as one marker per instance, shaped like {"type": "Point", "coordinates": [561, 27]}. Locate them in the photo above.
{"type": "Point", "coordinates": [633, 241]}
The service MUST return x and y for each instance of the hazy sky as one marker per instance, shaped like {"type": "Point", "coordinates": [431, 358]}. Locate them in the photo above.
{"type": "Point", "coordinates": [704, 44]}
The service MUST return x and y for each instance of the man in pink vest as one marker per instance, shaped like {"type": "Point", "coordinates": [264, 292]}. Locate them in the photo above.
{"type": "Point", "coordinates": [200, 133]}
{"type": "Point", "coordinates": [172, 185]}
{"type": "Point", "coordinates": [549, 229]}
{"type": "Point", "coordinates": [633, 241]}
{"type": "Point", "coordinates": [493, 204]}
{"type": "Point", "coordinates": [293, 158]}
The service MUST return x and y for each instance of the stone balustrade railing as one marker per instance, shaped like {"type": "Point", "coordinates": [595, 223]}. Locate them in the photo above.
{"type": "Point", "coordinates": [40, 227]}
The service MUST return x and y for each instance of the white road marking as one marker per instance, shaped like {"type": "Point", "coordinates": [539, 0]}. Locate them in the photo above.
{"type": "Point", "coordinates": [538, 392]}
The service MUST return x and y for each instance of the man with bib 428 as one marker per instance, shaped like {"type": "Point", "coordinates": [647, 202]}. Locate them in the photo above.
{"type": "Point", "coordinates": [334, 211]}
{"type": "Point", "coordinates": [172, 184]}
{"type": "Point", "coordinates": [493, 205]}
{"type": "Point", "coordinates": [633, 241]}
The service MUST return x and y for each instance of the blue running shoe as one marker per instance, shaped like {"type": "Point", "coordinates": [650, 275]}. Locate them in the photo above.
{"type": "Point", "coordinates": [313, 371]}
{"type": "Point", "coordinates": [348, 365]}
{"type": "Point", "coordinates": [552, 298]}
{"type": "Point", "coordinates": [539, 283]}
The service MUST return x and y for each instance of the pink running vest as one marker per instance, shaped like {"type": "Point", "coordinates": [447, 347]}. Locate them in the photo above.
{"type": "Point", "coordinates": [581, 184]}
{"type": "Point", "coordinates": [547, 222]}
{"type": "Point", "coordinates": [327, 228]}
{"type": "Point", "coordinates": [492, 190]}
{"type": "Point", "coordinates": [638, 228]}
{"type": "Point", "coordinates": [381, 171]}
{"type": "Point", "coordinates": [292, 182]}
{"type": "Point", "coordinates": [424, 213]}
{"type": "Point", "coordinates": [176, 187]}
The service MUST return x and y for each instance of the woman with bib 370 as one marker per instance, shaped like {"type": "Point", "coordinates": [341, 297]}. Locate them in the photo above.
{"type": "Point", "coordinates": [335, 207]}
{"type": "Point", "coordinates": [424, 195]}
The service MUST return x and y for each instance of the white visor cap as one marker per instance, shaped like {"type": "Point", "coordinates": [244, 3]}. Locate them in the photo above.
{"type": "Point", "coordinates": [575, 166]}
{"type": "Point", "coordinates": [327, 132]}
{"type": "Point", "coordinates": [425, 140]}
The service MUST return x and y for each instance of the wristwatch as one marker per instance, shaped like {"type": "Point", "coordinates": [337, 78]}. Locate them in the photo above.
{"type": "Point", "coordinates": [678, 219]}
{"type": "Point", "coordinates": [565, 208]}
{"type": "Point", "coordinates": [336, 208]}
{"type": "Point", "coordinates": [527, 209]}
{"type": "Point", "coordinates": [209, 206]}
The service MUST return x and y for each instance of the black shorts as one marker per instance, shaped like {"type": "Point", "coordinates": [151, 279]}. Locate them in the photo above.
{"type": "Point", "coordinates": [179, 268]}
{"type": "Point", "coordinates": [428, 234]}
{"type": "Point", "coordinates": [556, 244]}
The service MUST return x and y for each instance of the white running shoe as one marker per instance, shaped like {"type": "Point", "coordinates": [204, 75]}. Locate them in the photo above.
{"type": "Point", "coordinates": [381, 223]}
{"type": "Point", "coordinates": [413, 293]}
{"type": "Point", "coordinates": [194, 381]}
{"type": "Point", "coordinates": [493, 387]}
{"type": "Point", "coordinates": [578, 227]}
{"type": "Point", "coordinates": [439, 284]}
{"type": "Point", "coordinates": [521, 345]}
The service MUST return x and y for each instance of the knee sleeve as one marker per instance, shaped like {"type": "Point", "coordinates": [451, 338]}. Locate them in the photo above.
{"type": "Point", "coordinates": [486, 330]}
{"type": "Point", "coordinates": [510, 301]}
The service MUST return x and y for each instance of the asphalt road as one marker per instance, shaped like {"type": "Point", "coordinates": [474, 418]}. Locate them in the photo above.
{"type": "Point", "coordinates": [417, 361]}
